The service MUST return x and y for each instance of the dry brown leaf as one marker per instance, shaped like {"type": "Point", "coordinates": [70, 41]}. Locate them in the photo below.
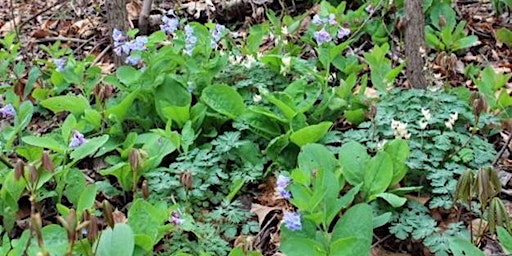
{"type": "Point", "coordinates": [86, 27]}
{"type": "Point", "coordinates": [133, 8]}
{"type": "Point", "coordinates": [119, 217]}
{"type": "Point", "coordinates": [262, 211]}
{"type": "Point", "coordinates": [10, 25]}
{"type": "Point", "coordinates": [40, 33]}
{"type": "Point", "coordinates": [422, 200]}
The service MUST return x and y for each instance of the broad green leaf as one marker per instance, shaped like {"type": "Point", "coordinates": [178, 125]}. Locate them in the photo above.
{"type": "Point", "coordinates": [381, 220]}
{"type": "Point", "coordinates": [88, 148]}
{"type": "Point", "coordinates": [399, 152]}
{"type": "Point", "coordinates": [24, 115]}
{"type": "Point", "coordinates": [261, 124]}
{"type": "Point", "coordinates": [343, 246]}
{"type": "Point", "coordinates": [378, 174]}
{"type": "Point", "coordinates": [119, 110]}
{"type": "Point", "coordinates": [504, 35]}
{"type": "Point", "coordinates": [144, 218]}
{"type": "Point", "coordinates": [75, 184]}
{"type": "Point", "coordinates": [76, 104]}
{"type": "Point", "coordinates": [87, 199]}
{"type": "Point", "coordinates": [128, 75]}
{"type": "Point", "coordinates": [315, 156]}
{"type": "Point", "coordinates": [55, 241]}
{"type": "Point", "coordinates": [463, 247]}
{"type": "Point", "coordinates": [223, 99]}
{"type": "Point", "coordinates": [172, 101]}
{"type": "Point", "coordinates": [45, 142]}
{"type": "Point", "coordinates": [392, 199]}
{"type": "Point", "coordinates": [310, 134]}
{"type": "Point", "coordinates": [465, 42]}
{"type": "Point", "coordinates": [353, 158]}
{"type": "Point", "coordinates": [116, 242]}
{"type": "Point", "coordinates": [357, 221]}
{"type": "Point", "coordinates": [67, 127]}
{"type": "Point", "coordinates": [235, 188]}
{"type": "Point", "coordinates": [505, 238]}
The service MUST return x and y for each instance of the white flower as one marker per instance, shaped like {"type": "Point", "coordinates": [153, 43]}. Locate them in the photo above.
{"type": "Point", "coordinates": [381, 144]}
{"type": "Point", "coordinates": [423, 124]}
{"type": "Point", "coordinates": [287, 61]}
{"type": "Point", "coordinates": [454, 116]}
{"type": "Point", "coordinates": [256, 98]}
{"type": "Point", "coordinates": [284, 30]}
{"type": "Point", "coordinates": [426, 114]}
{"type": "Point", "coordinates": [394, 124]}
{"type": "Point", "coordinates": [448, 125]}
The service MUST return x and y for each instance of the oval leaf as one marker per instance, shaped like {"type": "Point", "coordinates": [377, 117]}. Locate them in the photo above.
{"type": "Point", "coordinates": [310, 134]}
{"type": "Point", "coordinates": [223, 99]}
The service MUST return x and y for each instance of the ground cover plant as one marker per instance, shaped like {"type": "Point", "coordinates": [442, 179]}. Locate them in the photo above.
{"type": "Point", "coordinates": [296, 135]}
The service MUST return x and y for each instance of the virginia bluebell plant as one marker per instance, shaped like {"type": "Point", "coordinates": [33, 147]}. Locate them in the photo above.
{"type": "Point", "coordinates": [7, 111]}
{"type": "Point", "coordinates": [121, 46]}
{"type": "Point", "coordinates": [217, 33]}
{"type": "Point", "coordinates": [77, 140]}
{"type": "Point", "coordinates": [281, 184]}
{"type": "Point", "coordinates": [322, 36]}
{"type": "Point", "coordinates": [190, 40]}
{"type": "Point", "coordinates": [292, 221]}
{"type": "Point", "coordinates": [60, 64]}
{"type": "Point", "coordinates": [170, 24]}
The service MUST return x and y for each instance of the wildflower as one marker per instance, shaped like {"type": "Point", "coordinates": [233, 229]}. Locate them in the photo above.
{"type": "Point", "coordinates": [175, 219]}
{"type": "Point", "coordinates": [133, 60]}
{"type": "Point", "coordinates": [169, 24]}
{"type": "Point", "coordinates": [118, 36]}
{"type": "Point", "coordinates": [119, 40]}
{"type": "Point", "coordinates": [322, 36]}
{"type": "Point", "coordinates": [7, 111]}
{"type": "Point", "coordinates": [281, 184]}
{"type": "Point", "coordinates": [77, 140]}
{"type": "Point", "coordinates": [426, 114]}
{"type": "Point", "coordinates": [217, 34]}
{"type": "Point", "coordinates": [235, 34]}
{"type": "Point", "coordinates": [256, 98]}
{"type": "Point", "coordinates": [343, 32]}
{"type": "Point", "coordinates": [190, 40]}
{"type": "Point", "coordinates": [139, 43]}
{"type": "Point", "coordinates": [451, 120]}
{"type": "Point", "coordinates": [423, 124]}
{"type": "Point", "coordinates": [287, 61]}
{"type": "Point", "coordinates": [400, 129]}
{"type": "Point", "coordinates": [369, 9]}
{"type": "Point", "coordinates": [332, 19]}
{"type": "Point", "coordinates": [284, 30]}
{"type": "Point", "coordinates": [292, 221]}
{"type": "Point", "coordinates": [317, 20]}
{"type": "Point", "coordinates": [60, 63]}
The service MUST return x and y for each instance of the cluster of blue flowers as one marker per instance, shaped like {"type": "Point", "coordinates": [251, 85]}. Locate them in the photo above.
{"type": "Point", "coordinates": [175, 219]}
{"type": "Point", "coordinates": [323, 36]}
{"type": "Point", "coordinates": [7, 111]}
{"type": "Point", "coordinates": [60, 63]}
{"type": "Point", "coordinates": [217, 35]}
{"type": "Point", "coordinates": [169, 25]}
{"type": "Point", "coordinates": [122, 46]}
{"type": "Point", "coordinates": [190, 39]}
{"type": "Point", "coordinates": [77, 140]}
{"type": "Point", "coordinates": [291, 220]}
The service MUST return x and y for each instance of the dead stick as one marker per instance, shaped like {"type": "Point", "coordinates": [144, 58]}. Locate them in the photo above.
{"type": "Point", "coordinates": [59, 38]}
{"type": "Point", "coordinates": [39, 13]}
{"type": "Point", "coordinates": [502, 150]}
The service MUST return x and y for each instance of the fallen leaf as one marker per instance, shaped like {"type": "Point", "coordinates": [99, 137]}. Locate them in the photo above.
{"type": "Point", "coordinates": [10, 25]}
{"type": "Point", "coordinates": [262, 211]}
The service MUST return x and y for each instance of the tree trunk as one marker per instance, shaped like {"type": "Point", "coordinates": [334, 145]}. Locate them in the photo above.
{"type": "Point", "coordinates": [415, 43]}
{"type": "Point", "coordinates": [117, 18]}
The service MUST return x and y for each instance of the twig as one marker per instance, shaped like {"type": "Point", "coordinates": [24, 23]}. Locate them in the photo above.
{"type": "Point", "coordinates": [40, 12]}
{"type": "Point", "coordinates": [100, 56]}
{"type": "Point", "coordinates": [60, 38]}
{"type": "Point", "coordinates": [16, 29]}
{"type": "Point", "coordinates": [502, 150]}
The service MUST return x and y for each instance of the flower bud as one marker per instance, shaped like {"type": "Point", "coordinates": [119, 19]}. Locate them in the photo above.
{"type": "Point", "coordinates": [19, 170]}
{"type": "Point", "coordinates": [47, 162]}
{"type": "Point", "coordinates": [186, 179]}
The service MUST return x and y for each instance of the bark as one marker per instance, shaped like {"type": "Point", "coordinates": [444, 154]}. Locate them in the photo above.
{"type": "Point", "coordinates": [117, 18]}
{"type": "Point", "coordinates": [144, 17]}
{"type": "Point", "coordinates": [415, 43]}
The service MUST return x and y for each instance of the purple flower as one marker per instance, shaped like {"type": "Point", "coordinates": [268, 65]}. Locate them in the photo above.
{"type": "Point", "coordinates": [317, 20]}
{"type": "Point", "coordinates": [281, 184]}
{"type": "Point", "coordinates": [322, 36]}
{"type": "Point", "coordinates": [175, 219]}
{"type": "Point", "coordinates": [77, 140]}
{"type": "Point", "coordinates": [217, 34]}
{"type": "Point", "coordinates": [119, 42]}
{"type": "Point", "coordinates": [332, 19]}
{"type": "Point", "coordinates": [292, 221]}
{"type": "Point", "coordinates": [343, 32]}
{"type": "Point", "coordinates": [60, 64]}
{"type": "Point", "coordinates": [190, 40]}
{"type": "Point", "coordinates": [169, 24]}
{"type": "Point", "coordinates": [118, 36]}
{"type": "Point", "coordinates": [133, 60]}
{"type": "Point", "coordinates": [370, 9]}
{"type": "Point", "coordinates": [7, 111]}
{"type": "Point", "coordinates": [139, 43]}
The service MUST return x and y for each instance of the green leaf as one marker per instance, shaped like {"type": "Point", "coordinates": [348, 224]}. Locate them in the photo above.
{"type": "Point", "coordinates": [465, 42]}
{"type": "Point", "coordinates": [505, 238]}
{"type": "Point", "coordinates": [68, 125]}
{"type": "Point", "coordinates": [144, 218]}
{"type": "Point", "coordinates": [76, 104]}
{"type": "Point", "coordinates": [128, 75]}
{"type": "Point", "coordinates": [25, 115]}
{"type": "Point", "coordinates": [343, 246]}
{"type": "Point", "coordinates": [462, 247]}
{"type": "Point", "coordinates": [235, 187]}
{"type": "Point", "coordinates": [315, 156]}
{"type": "Point", "coordinates": [356, 222]}
{"type": "Point", "coordinates": [116, 242]}
{"type": "Point", "coordinates": [381, 220]}
{"type": "Point", "coordinates": [261, 124]}
{"type": "Point", "coordinates": [75, 184]}
{"type": "Point", "coordinates": [504, 35]}
{"type": "Point", "coordinates": [392, 199]}
{"type": "Point", "coordinates": [353, 158]}
{"type": "Point", "coordinates": [224, 99]}
{"type": "Point", "coordinates": [310, 134]}
{"type": "Point", "coordinates": [120, 110]}
{"type": "Point", "coordinates": [172, 101]}
{"type": "Point", "coordinates": [88, 148]}
{"type": "Point", "coordinates": [45, 142]}
{"type": "Point", "coordinates": [378, 174]}
{"type": "Point", "coordinates": [399, 152]}
{"type": "Point", "coordinates": [87, 199]}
